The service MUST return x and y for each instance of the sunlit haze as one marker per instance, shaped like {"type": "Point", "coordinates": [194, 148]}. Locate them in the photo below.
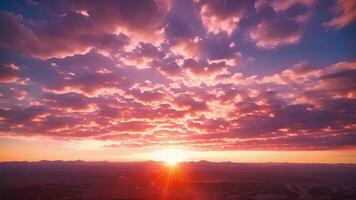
{"type": "Point", "coordinates": [170, 156]}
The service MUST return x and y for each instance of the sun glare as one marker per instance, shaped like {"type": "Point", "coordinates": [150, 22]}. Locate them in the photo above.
{"type": "Point", "coordinates": [170, 156]}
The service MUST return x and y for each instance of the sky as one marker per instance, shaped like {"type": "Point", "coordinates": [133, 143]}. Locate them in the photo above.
{"type": "Point", "coordinates": [221, 80]}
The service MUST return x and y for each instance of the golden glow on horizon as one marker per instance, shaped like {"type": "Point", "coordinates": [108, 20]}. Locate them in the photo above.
{"type": "Point", "coordinates": [18, 149]}
{"type": "Point", "coordinates": [170, 156]}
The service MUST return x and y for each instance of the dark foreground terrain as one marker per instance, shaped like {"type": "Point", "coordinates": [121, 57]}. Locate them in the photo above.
{"type": "Point", "coordinates": [78, 180]}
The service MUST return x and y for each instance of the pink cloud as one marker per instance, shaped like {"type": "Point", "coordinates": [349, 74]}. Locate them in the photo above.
{"type": "Point", "coordinates": [203, 68]}
{"type": "Point", "coordinates": [91, 82]}
{"type": "Point", "coordinates": [192, 104]}
{"type": "Point", "coordinates": [223, 16]}
{"type": "Point", "coordinates": [345, 12]}
{"type": "Point", "coordinates": [170, 68]}
{"type": "Point", "coordinates": [272, 33]}
{"type": "Point", "coordinates": [193, 115]}
{"type": "Point", "coordinates": [66, 100]}
{"type": "Point", "coordinates": [133, 126]}
{"type": "Point", "coordinates": [72, 32]}
{"type": "Point", "coordinates": [151, 73]}
{"type": "Point", "coordinates": [283, 5]}
{"type": "Point", "coordinates": [146, 96]}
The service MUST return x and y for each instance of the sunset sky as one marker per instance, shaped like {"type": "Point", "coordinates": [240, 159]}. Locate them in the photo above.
{"type": "Point", "coordinates": [228, 80]}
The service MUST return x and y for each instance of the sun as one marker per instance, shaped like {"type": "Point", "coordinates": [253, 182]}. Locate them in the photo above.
{"type": "Point", "coordinates": [170, 156]}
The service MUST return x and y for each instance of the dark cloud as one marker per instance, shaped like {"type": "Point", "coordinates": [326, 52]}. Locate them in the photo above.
{"type": "Point", "coordinates": [193, 105]}
{"type": "Point", "coordinates": [203, 67]}
{"type": "Point", "coordinates": [19, 115]}
{"type": "Point", "coordinates": [67, 100]}
{"type": "Point", "coordinates": [8, 72]}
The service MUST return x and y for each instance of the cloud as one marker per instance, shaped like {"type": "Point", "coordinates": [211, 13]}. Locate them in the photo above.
{"type": "Point", "coordinates": [280, 5]}
{"type": "Point", "coordinates": [92, 82]}
{"type": "Point", "coordinates": [318, 106]}
{"type": "Point", "coordinates": [66, 100]}
{"type": "Point", "coordinates": [59, 124]}
{"type": "Point", "coordinates": [146, 96]}
{"type": "Point", "coordinates": [47, 39]}
{"type": "Point", "coordinates": [170, 68]}
{"type": "Point", "coordinates": [192, 104]}
{"type": "Point", "coordinates": [8, 73]}
{"type": "Point", "coordinates": [151, 73]}
{"type": "Point", "coordinates": [69, 31]}
{"type": "Point", "coordinates": [183, 21]}
{"type": "Point", "coordinates": [345, 12]}
{"type": "Point", "coordinates": [203, 67]}
{"type": "Point", "coordinates": [272, 33]}
{"type": "Point", "coordinates": [19, 115]}
{"type": "Point", "coordinates": [9, 95]}
{"type": "Point", "coordinates": [274, 28]}
{"type": "Point", "coordinates": [224, 15]}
